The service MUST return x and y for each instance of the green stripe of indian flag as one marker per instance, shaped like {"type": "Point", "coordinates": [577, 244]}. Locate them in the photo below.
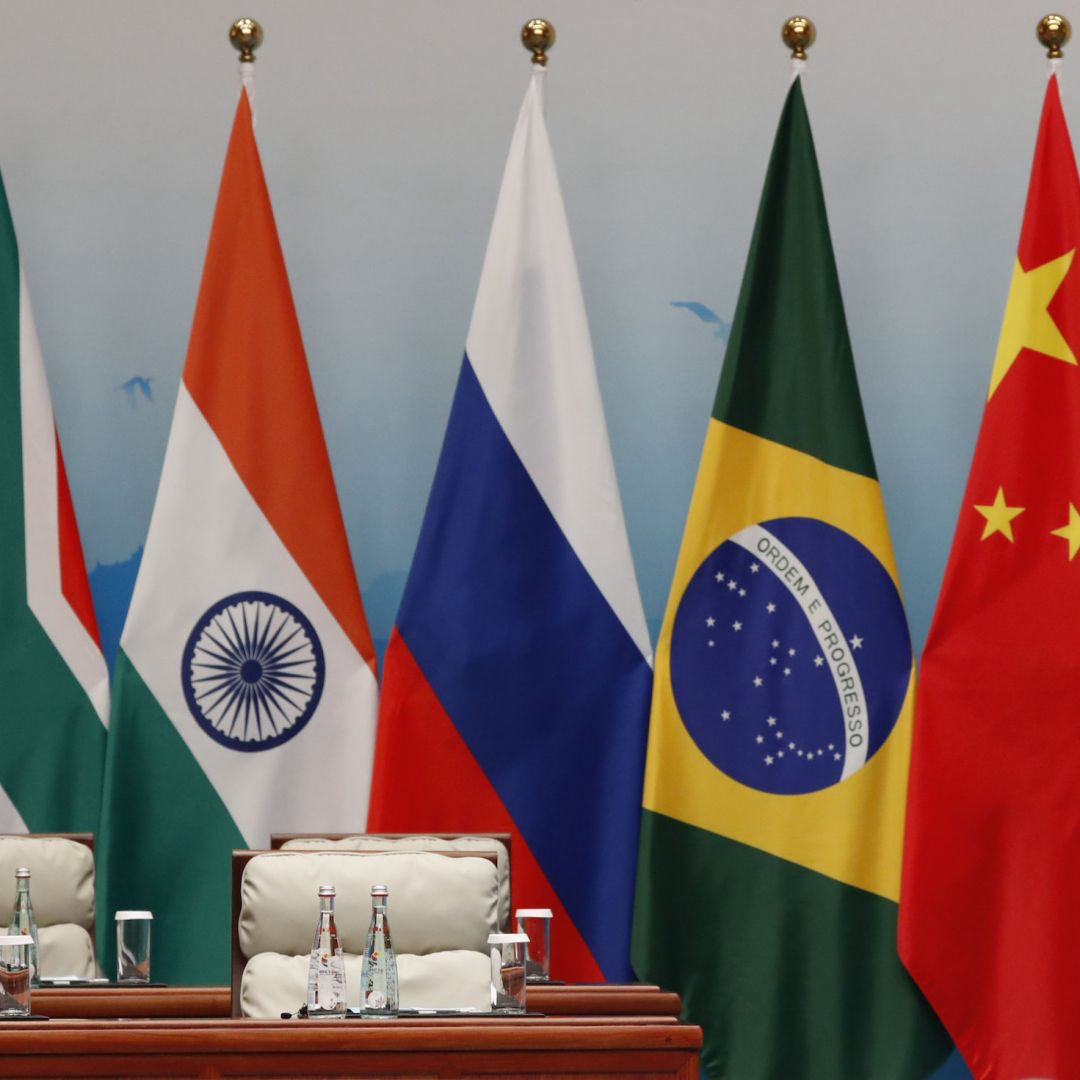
{"type": "Point", "coordinates": [171, 853]}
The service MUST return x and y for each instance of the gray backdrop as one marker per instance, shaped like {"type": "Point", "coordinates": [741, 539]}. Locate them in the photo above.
{"type": "Point", "coordinates": [383, 129]}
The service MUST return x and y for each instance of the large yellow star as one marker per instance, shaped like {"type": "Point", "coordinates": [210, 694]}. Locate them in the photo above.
{"type": "Point", "coordinates": [1070, 532]}
{"type": "Point", "coordinates": [1027, 323]}
{"type": "Point", "coordinates": [999, 516]}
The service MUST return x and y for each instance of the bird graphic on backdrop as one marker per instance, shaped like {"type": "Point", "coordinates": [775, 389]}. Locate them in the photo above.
{"type": "Point", "coordinates": [136, 385]}
{"type": "Point", "coordinates": [706, 314]}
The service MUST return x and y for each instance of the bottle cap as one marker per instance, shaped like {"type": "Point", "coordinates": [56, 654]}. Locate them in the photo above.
{"type": "Point", "coordinates": [16, 939]}
{"type": "Point", "coordinates": [22, 872]}
{"type": "Point", "coordinates": [533, 913]}
{"type": "Point", "coordinates": [327, 890]}
{"type": "Point", "coordinates": [379, 890]}
{"type": "Point", "coordinates": [507, 939]}
{"type": "Point", "coordinates": [124, 916]}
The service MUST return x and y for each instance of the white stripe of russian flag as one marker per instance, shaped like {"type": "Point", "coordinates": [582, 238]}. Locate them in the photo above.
{"type": "Point", "coordinates": [530, 347]}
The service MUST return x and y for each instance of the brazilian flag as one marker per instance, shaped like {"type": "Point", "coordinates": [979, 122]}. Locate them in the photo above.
{"type": "Point", "coordinates": [780, 731]}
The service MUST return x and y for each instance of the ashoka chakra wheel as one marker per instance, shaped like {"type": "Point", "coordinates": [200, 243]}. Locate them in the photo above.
{"type": "Point", "coordinates": [253, 671]}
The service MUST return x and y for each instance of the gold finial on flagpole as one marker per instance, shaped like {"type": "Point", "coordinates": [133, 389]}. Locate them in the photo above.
{"type": "Point", "coordinates": [798, 34]}
{"type": "Point", "coordinates": [1053, 31]}
{"type": "Point", "coordinates": [246, 36]}
{"type": "Point", "coordinates": [538, 35]}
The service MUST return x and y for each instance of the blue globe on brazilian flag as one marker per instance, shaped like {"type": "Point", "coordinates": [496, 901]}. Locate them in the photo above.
{"type": "Point", "coordinates": [790, 656]}
{"type": "Point", "coordinates": [781, 719]}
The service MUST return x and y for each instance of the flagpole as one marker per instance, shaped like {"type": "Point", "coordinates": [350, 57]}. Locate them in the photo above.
{"type": "Point", "coordinates": [1054, 31]}
{"type": "Point", "coordinates": [246, 36]}
{"type": "Point", "coordinates": [798, 34]}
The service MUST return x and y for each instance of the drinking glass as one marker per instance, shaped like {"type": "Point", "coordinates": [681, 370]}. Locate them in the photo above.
{"type": "Point", "coordinates": [507, 972]}
{"type": "Point", "coordinates": [535, 924]}
{"type": "Point", "coordinates": [133, 946]}
{"type": "Point", "coordinates": [15, 974]}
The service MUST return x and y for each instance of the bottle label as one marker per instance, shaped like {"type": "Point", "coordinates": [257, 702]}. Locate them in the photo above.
{"type": "Point", "coordinates": [376, 999]}
{"type": "Point", "coordinates": [325, 984]}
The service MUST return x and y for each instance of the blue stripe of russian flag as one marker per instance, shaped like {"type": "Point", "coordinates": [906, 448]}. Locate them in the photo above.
{"type": "Point", "coordinates": [537, 673]}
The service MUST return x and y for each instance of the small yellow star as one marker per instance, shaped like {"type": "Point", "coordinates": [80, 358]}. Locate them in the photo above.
{"type": "Point", "coordinates": [999, 516]}
{"type": "Point", "coordinates": [1070, 532]}
{"type": "Point", "coordinates": [1027, 323]}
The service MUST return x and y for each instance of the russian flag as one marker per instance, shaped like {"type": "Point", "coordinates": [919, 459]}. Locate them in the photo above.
{"type": "Point", "coordinates": [517, 679]}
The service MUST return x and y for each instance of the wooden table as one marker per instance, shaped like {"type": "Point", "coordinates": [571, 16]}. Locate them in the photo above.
{"type": "Point", "coordinates": [614, 1047]}
{"type": "Point", "coordinates": [205, 1002]}
{"type": "Point", "coordinates": [132, 1002]}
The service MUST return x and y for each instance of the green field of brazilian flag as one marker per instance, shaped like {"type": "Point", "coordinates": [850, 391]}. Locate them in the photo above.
{"type": "Point", "coordinates": [781, 720]}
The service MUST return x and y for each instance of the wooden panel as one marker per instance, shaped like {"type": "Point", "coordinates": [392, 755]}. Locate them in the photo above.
{"type": "Point", "coordinates": [106, 1002]}
{"type": "Point", "coordinates": [603, 999]}
{"type": "Point", "coordinates": [134, 1002]}
{"type": "Point", "coordinates": [458, 1048]}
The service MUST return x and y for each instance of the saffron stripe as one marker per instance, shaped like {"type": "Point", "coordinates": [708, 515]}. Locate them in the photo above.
{"type": "Point", "coordinates": [275, 440]}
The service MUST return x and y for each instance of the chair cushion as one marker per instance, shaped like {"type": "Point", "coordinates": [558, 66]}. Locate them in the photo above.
{"type": "Point", "coordinates": [273, 984]}
{"type": "Point", "coordinates": [61, 877]}
{"type": "Point", "coordinates": [435, 903]}
{"type": "Point", "coordinates": [372, 842]}
{"type": "Point", "coordinates": [66, 949]}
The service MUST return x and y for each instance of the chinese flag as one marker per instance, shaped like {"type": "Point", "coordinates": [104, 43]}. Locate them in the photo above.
{"type": "Point", "coordinates": [990, 898]}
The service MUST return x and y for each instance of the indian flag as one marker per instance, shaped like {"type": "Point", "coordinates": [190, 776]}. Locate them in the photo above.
{"type": "Point", "coordinates": [245, 695]}
{"type": "Point", "coordinates": [55, 686]}
{"type": "Point", "coordinates": [780, 730]}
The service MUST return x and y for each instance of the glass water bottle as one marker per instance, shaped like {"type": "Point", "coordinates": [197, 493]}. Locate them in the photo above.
{"type": "Point", "coordinates": [326, 970]}
{"type": "Point", "coordinates": [23, 922]}
{"type": "Point", "coordinates": [378, 976]}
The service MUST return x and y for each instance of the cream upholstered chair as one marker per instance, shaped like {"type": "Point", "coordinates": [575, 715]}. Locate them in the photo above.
{"type": "Point", "coordinates": [481, 842]}
{"type": "Point", "coordinates": [442, 906]}
{"type": "Point", "coordinates": [62, 893]}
